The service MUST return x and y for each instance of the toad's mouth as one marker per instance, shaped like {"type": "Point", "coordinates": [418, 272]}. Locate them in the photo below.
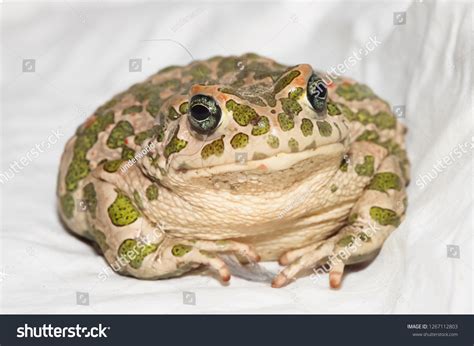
{"type": "Point", "coordinates": [319, 158]}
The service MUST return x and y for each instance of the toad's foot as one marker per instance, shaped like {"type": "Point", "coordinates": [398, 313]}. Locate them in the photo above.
{"type": "Point", "coordinates": [349, 246]}
{"type": "Point", "coordinates": [204, 252]}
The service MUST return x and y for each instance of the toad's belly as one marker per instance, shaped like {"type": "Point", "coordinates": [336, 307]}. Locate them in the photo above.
{"type": "Point", "coordinates": [306, 230]}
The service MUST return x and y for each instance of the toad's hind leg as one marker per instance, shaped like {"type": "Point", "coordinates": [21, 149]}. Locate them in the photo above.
{"type": "Point", "coordinates": [373, 217]}
{"type": "Point", "coordinates": [133, 245]}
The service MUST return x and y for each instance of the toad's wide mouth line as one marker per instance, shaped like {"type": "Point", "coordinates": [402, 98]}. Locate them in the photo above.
{"type": "Point", "coordinates": [276, 163]}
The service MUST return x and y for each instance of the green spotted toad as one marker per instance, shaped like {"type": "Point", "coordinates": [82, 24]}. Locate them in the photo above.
{"type": "Point", "coordinates": [238, 155]}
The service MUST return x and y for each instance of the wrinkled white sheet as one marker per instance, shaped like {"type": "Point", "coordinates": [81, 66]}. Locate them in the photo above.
{"type": "Point", "coordinates": [82, 53]}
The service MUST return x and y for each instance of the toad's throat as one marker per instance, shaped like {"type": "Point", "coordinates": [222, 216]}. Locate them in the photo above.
{"type": "Point", "coordinates": [278, 173]}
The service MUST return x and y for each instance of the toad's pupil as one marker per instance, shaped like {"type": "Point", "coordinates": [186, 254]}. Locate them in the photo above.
{"type": "Point", "coordinates": [200, 112]}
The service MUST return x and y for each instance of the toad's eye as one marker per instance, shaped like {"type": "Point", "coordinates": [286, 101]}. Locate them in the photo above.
{"type": "Point", "coordinates": [204, 114]}
{"type": "Point", "coordinates": [316, 92]}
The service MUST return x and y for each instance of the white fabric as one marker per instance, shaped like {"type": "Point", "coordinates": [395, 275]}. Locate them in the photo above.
{"type": "Point", "coordinates": [82, 53]}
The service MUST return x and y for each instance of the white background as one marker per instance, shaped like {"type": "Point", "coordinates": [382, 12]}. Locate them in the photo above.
{"type": "Point", "coordinates": [82, 53]}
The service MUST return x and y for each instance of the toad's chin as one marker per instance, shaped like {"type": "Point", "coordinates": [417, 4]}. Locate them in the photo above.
{"type": "Point", "coordinates": [268, 174]}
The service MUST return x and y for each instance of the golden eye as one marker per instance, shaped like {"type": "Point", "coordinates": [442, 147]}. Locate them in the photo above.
{"type": "Point", "coordinates": [204, 114]}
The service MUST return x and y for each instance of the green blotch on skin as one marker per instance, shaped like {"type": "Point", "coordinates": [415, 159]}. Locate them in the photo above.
{"type": "Point", "coordinates": [293, 145]}
{"type": "Point", "coordinates": [90, 197]}
{"type": "Point", "coordinates": [173, 114]}
{"type": "Point", "coordinates": [122, 211]}
{"type": "Point", "coordinates": [184, 107]}
{"type": "Point", "coordinates": [325, 128]}
{"type": "Point", "coordinates": [286, 122]}
{"type": "Point", "coordinates": [78, 169]}
{"type": "Point", "coordinates": [180, 250]}
{"type": "Point", "coordinates": [347, 112]}
{"type": "Point", "coordinates": [200, 72]}
{"type": "Point", "coordinates": [214, 148]}
{"type": "Point", "coordinates": [227, 65]}
{"type": "Point", "coordinates": [134, 252]}
{"type": "Point", "coordinates": [67, 205]}
{"type": "Point", "coordinates": [284, 81]}
{"type": "Point", "coordinates": [156, 131]}
{"type": "Point", "coordinates": [137, 199]}
{"type": "Point", "coordinates": [122, 130]}
{"type": "Point", "coordinates": [132, 109]}
{"type": "Point", "coordinates": [364, 237]}
{"type": "Point", "coordinates": [261, 127]}
{"type": "Point", "coordinates": [384, 216]}
{"type": "Point", "coordinates": [364, 117]}
{"type": "Point", "coordinates": [242, 114]}
{"type": "Point", "coordinates": [368, 135]}
{"type": "Point", "coordinates": [290, 105]}
{"type": "Point", "coordinates": [239, 141]}
{"type": "Point", "coordinates": [333, 109]}
{"type": "Point", "coordinates": [346, 241]}
{"type": "Point", "coordinates": [152, 192]}
{"type": "Point", "coordinates": [154, 105]}
{"type": "Point", "coordinates": [333, 188]}
{"type": "Point", "coordinates": [355, 91]}
{"type": "Point", "coordinates": [127, 153]}
{"type": "Point", "coordinates": [385, 181]}
{"type": "Point", "coordinates": [366, 168]}
{"type": "Point", "coordinates": [307, 127]}
{"type": "Point", "coordinates": [87, 136]}
{"type": "Point", "coordinates": [112, 166]}
{"type": "Point", "coordinates": [352, 218]}
{"type": "Point", "coordinates": [273, 141]}
{"type": "Point", "coordinates": [100, 239]}
{"type": "Point", "coordinates": [175, 145]}
{"type": "Point", "coordinates": [384, 120]}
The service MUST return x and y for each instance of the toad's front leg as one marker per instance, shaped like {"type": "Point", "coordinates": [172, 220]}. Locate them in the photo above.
{"type": "Point", "coordinates": [373, 217]}
{"type": "Point", "coordinates": [134, 246]}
